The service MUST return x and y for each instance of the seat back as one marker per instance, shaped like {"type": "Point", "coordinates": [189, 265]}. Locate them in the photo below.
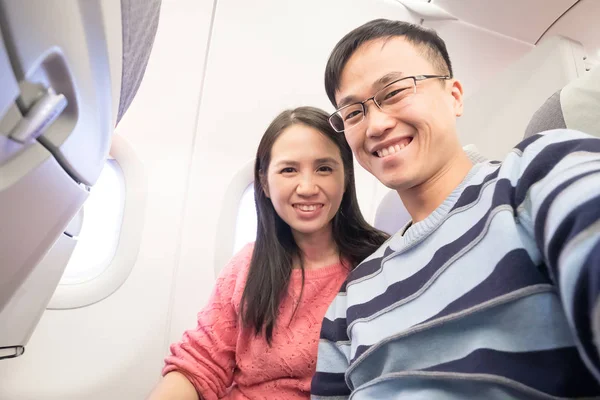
{"type": "Point", "coordinates": [67, 75]}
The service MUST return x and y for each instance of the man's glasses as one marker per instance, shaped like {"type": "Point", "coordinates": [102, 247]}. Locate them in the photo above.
{"type": "Point", "coordinates": [389, 100]}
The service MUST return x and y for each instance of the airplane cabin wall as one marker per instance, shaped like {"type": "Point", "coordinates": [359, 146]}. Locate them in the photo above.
{"type": "Point", "coordinates": [195, 123]}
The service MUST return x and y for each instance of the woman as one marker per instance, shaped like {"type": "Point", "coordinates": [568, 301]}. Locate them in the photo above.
{"type": "Point", "coordinates": [257, 338]}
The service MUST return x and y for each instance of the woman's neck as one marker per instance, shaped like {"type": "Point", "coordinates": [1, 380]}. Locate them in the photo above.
{"type": "Point", "coordinates": [317, 249]}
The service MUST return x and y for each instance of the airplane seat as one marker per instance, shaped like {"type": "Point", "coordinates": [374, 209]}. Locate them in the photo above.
{"type": "Point", "coordinates": [391, 215]}
{"type": "Point", "coordinates": [576, 106]}
{"type": "Point", "coordinates": [68, 73]}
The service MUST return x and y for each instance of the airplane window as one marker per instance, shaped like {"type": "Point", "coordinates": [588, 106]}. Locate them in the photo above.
{"type": "Point", "coordinates": [245, 227]}
{"type": "Point", "coordinates": [102, 220]}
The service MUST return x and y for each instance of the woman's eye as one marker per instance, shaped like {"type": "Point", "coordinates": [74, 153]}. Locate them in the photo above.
{"type": "Point", "coordinates": [287, 170]}
{"type": "Point", "coordinates": [325, 168]}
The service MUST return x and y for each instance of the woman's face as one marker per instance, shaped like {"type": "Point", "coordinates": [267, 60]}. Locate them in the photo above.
{"type": "Point", "coordinates": [305, 179]}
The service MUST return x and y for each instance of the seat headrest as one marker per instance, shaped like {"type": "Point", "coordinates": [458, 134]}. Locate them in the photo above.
{"type": "Point", "coordinates": [548, 116]}
{"type": "Point", "coordinates": [576, 106]}
{"type": "Point", "coordinates": [391, 215]}
{"type": "Point", "coordinates": [140, 22]}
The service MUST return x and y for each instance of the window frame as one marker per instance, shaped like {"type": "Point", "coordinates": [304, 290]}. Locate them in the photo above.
{"type": "Point", "coordinates": [76, 295]}
{"type": "Point", "coordinates": [90, 274]}
{"type": "Point", "coordinates": [236, 232]}
{"type": "Point", "coordinates": [227, 219]}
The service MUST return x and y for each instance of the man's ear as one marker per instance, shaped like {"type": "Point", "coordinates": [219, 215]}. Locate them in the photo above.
{"type": "Point", "coordinates": [457, 93]}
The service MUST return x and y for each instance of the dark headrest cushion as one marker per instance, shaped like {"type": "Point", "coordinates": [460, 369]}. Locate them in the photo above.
{"type": "Point", "coordinates": [140, 21]}
{"type": "Point", "coordinates": [548, 116]}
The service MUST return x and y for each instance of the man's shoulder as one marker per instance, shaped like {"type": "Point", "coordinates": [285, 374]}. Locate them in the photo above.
{"type": "Point", "coordinates": [555, 138]}
{"type": "Point", "coordinates": [371, 263]}
{"type": "Point", "coordinates": [553, 145]}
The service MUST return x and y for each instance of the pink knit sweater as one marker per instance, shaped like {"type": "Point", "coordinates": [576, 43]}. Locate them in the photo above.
{"type": "Point", "coordinates": [223, 359]}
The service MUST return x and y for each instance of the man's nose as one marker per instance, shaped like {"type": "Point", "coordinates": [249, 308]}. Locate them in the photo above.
{"type": "Point", "coordinates": [377, 121]}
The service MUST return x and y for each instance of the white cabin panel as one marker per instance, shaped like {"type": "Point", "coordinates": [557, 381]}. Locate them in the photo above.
{"type": "Point", "coordinates": [477, 54]}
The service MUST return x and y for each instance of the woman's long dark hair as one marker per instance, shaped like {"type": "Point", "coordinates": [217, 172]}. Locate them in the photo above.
{"type": "Point", "coordinates": [275, 249]}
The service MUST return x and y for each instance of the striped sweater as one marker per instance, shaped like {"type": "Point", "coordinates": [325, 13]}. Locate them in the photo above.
{"type": "Point", "coordinates": [494, 296]}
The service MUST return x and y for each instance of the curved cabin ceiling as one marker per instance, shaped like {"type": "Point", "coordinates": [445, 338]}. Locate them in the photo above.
{"type": "Point", "coordinates": [524, 20]}
{"type": "Point", "coordinates": [532, 20]}
{"type": "Point", "coordinates": [581, 24]}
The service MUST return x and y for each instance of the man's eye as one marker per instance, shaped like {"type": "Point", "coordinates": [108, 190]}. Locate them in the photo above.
{"type": "Point", "coordinates": [352, 115]}
{"type": "Point", "coordinates": [392, 94]}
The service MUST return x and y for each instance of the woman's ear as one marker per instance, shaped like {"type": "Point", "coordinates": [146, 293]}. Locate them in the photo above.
{"type": "Point", "coordinates": [263, 184]}
{"type": "Point", "coordinates": [347, 179]}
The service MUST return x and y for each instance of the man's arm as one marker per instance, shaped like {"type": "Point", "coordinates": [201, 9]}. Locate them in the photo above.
{"type": "Point", "coordinates": [558, 200]}
{"type": "Point", "coordinates": [329, 381]}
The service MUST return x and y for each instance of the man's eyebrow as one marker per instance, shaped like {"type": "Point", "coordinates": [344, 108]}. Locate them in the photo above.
{"type": "Point", "coordinates": [347, 100]}
{"type": "Point", "coordinates": [387, 78]}
{"type": "Point", "coordinates": [379, 83]}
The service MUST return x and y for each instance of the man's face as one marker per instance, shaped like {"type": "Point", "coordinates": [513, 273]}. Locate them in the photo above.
{"type": "Point", "coordinates": [417, 141]}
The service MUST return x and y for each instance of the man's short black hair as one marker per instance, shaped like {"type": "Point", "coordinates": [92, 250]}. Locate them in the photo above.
{"type": "Point", "coordinates": [433, 47]}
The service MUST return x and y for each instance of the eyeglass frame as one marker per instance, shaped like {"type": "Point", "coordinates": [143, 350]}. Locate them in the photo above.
{"type": "Point", "coordinates": [415, 78]}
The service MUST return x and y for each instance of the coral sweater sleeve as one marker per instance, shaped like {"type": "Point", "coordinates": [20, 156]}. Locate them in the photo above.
{"type": "Point", "coordinates": [206, 354]}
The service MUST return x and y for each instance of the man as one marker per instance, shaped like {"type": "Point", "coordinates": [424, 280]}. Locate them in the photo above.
{"type": "Point", "coordinates": [491, 292]}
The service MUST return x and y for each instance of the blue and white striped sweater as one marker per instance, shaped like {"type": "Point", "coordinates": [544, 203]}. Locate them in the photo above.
{"type": "Point", "coordinates": [493, 296]}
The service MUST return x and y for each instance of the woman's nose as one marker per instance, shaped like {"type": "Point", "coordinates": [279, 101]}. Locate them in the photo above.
{"type": "Point", "coordinates": [307, 187]}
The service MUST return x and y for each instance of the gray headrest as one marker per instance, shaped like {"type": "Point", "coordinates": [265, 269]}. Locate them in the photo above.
{"type": "Point", "coordinates": [391, 215]}
{"type": "Point", "coordinates": [576, 106]}
{"type": "Point", "coordinates": [140, 21]}
{"type": "Point", "coordinates": [548, 116]}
